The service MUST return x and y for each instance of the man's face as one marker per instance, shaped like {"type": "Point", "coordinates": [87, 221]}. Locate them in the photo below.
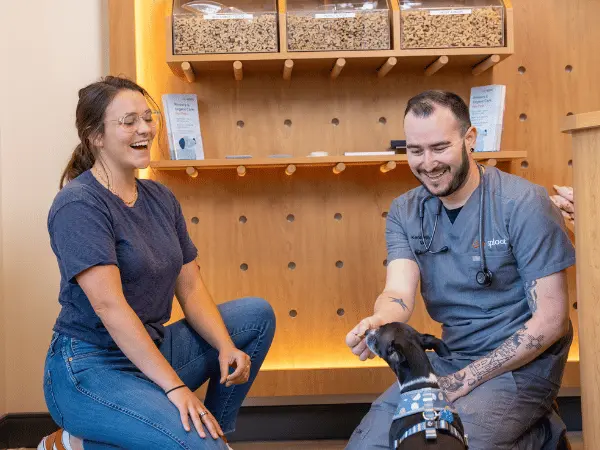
{"type": "Point", "coordinates": [437, 151]}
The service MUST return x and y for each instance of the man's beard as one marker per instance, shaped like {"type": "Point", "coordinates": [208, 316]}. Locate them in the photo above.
{"type": "Point", "coordinates": [459, 178]}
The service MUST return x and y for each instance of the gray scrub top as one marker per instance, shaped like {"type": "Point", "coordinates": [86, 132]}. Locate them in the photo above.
{"type": "Point", "coordinates": [525, 239]}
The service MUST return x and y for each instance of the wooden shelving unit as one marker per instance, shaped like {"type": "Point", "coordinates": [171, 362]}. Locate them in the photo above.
{"type": "Point", "coordinates": [474, 60]}
{"type": "Point", "coordinates": [323, 161]}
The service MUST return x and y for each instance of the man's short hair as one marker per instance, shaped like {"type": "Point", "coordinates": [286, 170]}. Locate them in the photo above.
{"type": "Point", "coordinates": [424, 104]}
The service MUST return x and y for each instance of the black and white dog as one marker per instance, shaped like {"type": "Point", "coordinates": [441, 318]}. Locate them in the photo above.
{"type": "Point", "coordinates": [424, 418]}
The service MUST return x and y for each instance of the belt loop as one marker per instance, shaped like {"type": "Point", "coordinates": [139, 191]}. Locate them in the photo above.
{"type": "Point", "coordinates": [55, 337]}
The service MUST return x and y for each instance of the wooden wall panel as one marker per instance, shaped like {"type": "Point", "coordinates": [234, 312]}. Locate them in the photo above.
{"type": "Point", "coordinates": [549, 36]}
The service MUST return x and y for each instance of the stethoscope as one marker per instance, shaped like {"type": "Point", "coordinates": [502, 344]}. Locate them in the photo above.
{"type": "Point", "coordinates": [484, 276]}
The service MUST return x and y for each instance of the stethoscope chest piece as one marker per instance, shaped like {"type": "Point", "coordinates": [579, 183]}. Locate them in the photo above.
{"type": "Point", "coordinates": [484, 277]}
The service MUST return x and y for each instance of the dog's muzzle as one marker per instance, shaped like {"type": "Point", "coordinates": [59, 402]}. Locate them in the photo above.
{"type": "Point", "coordinates": [437, 413]}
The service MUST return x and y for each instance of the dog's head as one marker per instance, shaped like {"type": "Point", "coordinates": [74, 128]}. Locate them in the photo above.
{"type": "Point", "coordinates": [403, 348]}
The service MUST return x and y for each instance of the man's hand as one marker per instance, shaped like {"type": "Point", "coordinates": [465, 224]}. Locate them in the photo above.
{"type": "Point", "coordinates": [355, 339]}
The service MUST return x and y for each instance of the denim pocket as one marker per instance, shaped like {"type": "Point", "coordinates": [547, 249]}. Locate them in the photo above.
{"type": "Point", "coordinates": [82, 349]}
{"type": "Point", "coordinates": [51, 400]}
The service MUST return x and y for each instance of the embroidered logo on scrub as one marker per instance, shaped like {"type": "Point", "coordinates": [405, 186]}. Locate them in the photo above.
{"type": "Point", "coordinates": [490, 244]}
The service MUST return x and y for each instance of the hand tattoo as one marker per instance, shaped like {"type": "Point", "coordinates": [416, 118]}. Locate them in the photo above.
{"type": "Point", "coordinates": [532, 297]}
{"type": "Point", "coordinates": [400, 302]}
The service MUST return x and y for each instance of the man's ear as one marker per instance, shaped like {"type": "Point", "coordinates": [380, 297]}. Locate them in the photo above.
{"type": "Point", "coordinates": [429, 342]}
{"type": "Point", "coordinates": [470, 138]}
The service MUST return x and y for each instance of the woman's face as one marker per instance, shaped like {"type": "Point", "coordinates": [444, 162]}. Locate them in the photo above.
{"type": "Point", "coordinates": [129, 128]}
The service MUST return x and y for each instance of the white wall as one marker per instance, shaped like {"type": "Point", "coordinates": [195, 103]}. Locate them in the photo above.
{"type": "Point", "coordinates": [49, 50]}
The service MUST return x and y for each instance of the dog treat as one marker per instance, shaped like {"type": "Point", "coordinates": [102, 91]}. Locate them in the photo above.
{"type": "Point", "coordinates": [360, 30]}
{"type": "Point", "coordinates": [199, 33]}
{"type": "Point", "coordinates": [452, 27]}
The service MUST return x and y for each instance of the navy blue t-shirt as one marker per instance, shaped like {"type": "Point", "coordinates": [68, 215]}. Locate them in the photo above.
{"type": "Point", "coordinates": [148, 242]}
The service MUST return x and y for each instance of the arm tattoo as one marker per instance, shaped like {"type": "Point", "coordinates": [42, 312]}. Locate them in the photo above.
{"type": "Point", "coordinates": [452, 383]}
{"type": "Point", "coordinates": [400, 302]}
{"type": "Point", "coordinates": [503, 354]}
{"type": "Point", "coordinates": [532, 297]}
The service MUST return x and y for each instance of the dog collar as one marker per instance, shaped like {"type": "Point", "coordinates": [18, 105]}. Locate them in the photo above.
{"type": "Point", "coordinates": [434, 401]}
{"type": "Point", "coordinates": [437, 413]}
{"type": "Point", "coordinates": [430, 428]}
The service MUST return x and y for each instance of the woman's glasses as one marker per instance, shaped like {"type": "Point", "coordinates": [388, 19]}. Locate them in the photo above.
{"type": "Point", "coordinates": [129, 122]}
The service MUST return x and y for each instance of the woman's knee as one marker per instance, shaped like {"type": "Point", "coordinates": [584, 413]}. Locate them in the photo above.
{"type": "Point", "coordinates": [262, 311]}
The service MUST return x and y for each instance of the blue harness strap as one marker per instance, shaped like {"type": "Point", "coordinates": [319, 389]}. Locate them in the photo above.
{"type": "Point", "coordinates": [437, 413]}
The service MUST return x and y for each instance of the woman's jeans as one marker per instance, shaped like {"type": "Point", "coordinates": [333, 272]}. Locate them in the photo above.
{"type": "Point", "coordinates": [100, 396]}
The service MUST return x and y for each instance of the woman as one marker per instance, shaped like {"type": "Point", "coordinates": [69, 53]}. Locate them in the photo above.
{"type": "Point", "coordinates": [115, 377]}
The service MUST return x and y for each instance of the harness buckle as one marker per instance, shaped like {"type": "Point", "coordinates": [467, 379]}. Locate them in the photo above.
{"type": "Point", "coordinates": [430, 430]}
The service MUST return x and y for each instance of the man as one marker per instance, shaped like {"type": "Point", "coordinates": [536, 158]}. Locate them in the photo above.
{"type": "Point", "coordinates": [490, 250]}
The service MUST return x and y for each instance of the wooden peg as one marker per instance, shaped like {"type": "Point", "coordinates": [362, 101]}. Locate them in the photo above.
{"type": "Point", "coordinates": [337, 68]}
{"type": "Point", "coordinates": [339, 168]}
{"type": "Point", "coordinates": [241, 171]}
{"type": "Point", "coordinates": [436, 65]}
{"type": "Point", "coordinates": [290, 169]}
{"type": "Point", "coordinates": [192, 172]}
{"type": "Point", "coordinates": [491, 162]}
{"type": "Point", "coordinates": [486, 64]}
{"type": "Point", "coordinates": [386, 67]}
{"type": "Point", "coordinates": [238, 71]}
{"type": "Point", "coordinates": [188, 71]}
{"type": "Point", "coordinates": [390, 165]}
{"type": "Point", "coordinates": [288, 65]}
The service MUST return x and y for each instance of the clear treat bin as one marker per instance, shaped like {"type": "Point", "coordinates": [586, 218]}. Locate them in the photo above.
{"type": "Point", "coordinates": [317, 25]}
{"type": "Point", "coordinates": [240, 26]}
{"type": "Point", "coordinates": [452, 24]}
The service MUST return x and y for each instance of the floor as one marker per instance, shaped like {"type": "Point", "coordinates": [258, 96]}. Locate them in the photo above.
{"type": "Point", "coordinates": [574, 438]}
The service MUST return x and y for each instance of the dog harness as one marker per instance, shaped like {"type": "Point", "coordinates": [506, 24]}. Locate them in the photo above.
{"type": "Point", "coordinates": [437, 414]}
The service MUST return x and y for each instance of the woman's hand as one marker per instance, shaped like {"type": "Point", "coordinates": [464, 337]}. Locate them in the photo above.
{"type": "Point", "coordinates": [190, 406]}
{"type": "Point", "coordinates": [565, 201]}
{"type": "Point", "coordinates": [233, 357]}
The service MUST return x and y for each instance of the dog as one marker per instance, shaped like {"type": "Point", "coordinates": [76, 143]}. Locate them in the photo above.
{"type": "Point", "coordinates": [424, 418]}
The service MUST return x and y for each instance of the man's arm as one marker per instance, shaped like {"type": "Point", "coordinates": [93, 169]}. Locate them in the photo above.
{"type": "Point", "coordinates": [548, 301]}
{"type": "Point", "coordinates": [395, 304]}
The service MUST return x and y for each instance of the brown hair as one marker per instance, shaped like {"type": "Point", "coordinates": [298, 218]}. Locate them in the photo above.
{"type": "Point", "coordinates": [423, 105]}
{"type": "Point", "coordinates": [89, 120]}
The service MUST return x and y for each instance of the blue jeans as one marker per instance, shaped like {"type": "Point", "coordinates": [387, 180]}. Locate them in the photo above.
{"type": "Point", "coordinates": [100, 396]}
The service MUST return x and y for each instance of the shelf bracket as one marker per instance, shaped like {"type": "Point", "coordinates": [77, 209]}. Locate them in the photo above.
{"type": "Point", "coordinates": [337, 68]}
{"type": "Point", "coordinates": [436, 65]}
{"type": "Point", "coordinates": [387, 66]}
{"type": "Point", "coordinates": [241, 171]}
{"type": "Point", "coordinates": [191, 171]}
{"type": "Point", "coordinates": [339, 168]}
{"type": "Point", "coordinates": [188, 71]}
{"type": "Point", "coordinates": [238, 71]}
{"type": "Point", "coordinates": [288, 65]}
{"type": "Point", "coordinates": [390, 165]}
{"type": "Point", "coordinates": [290, 169]}
{"type": "Point", "coordinates": [486, 64]}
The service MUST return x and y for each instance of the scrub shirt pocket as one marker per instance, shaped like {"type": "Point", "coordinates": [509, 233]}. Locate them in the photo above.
{"type": "Point", "coordinates": [506, 282]}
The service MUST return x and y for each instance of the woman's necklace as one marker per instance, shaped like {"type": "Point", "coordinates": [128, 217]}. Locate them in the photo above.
{"type": "Point", "coordinates": [106, 183]}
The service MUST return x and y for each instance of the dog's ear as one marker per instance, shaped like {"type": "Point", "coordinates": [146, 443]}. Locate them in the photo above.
{"type": "Point", "coordinates": [429, 342]}
{"type": "Point", "coordinates": [394, 358]}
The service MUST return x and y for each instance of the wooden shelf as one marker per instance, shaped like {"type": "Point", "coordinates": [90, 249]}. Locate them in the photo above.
{"type": "Point", "coordinates": [474, 60]}
{"type": "Point", "coordinates": [323, 161]}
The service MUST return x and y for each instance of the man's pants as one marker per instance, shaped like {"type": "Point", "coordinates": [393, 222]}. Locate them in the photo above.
{"type": "Point", "coordinates": [512, 411]}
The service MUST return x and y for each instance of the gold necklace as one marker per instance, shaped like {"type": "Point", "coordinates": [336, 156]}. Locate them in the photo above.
{"type": "Point", "coordinates": [110, 188]}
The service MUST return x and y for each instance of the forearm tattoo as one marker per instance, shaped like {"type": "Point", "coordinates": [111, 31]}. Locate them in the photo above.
{"type": "Point", "coordinates": [505, 353]}
{"type": "Point", "coordinates": [400, 302]}
{"type": "Point", "coordinates": [452, 383]}
{"type": "Point", "coordinates": [532, 297]}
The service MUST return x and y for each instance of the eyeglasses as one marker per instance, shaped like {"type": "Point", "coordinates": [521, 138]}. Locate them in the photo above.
{"type": "Point", "coordinates": [129, 121]}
